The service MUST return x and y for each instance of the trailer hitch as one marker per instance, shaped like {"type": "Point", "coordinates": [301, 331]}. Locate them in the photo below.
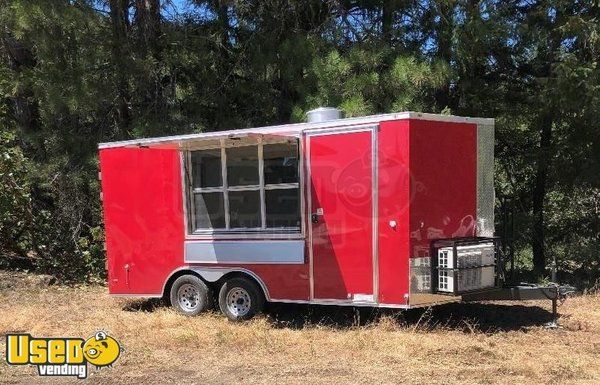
{"type": "Point", "coordinates": [526, 292]}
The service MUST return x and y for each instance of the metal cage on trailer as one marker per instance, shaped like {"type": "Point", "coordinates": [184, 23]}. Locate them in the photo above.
{"type": "Point", "coordinates": [392, 210]}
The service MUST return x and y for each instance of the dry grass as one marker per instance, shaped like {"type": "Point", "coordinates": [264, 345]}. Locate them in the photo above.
{"type": "Point", "coordinates": [457, 344]}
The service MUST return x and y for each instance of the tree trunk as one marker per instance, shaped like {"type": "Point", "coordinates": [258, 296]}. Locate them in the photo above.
{"type": "Point", "coordinates": [539, 194]}
{"type": "Point", "coordinates": [387, 21]}
{"type": "Point", "coordinates": [25, 109]}
{"type": "Point", "coordinates": [222, 11]}
{"type": "Point", "coordinates": [470, 69]}
{"type": "Point", "coordinates": [444, 31]}
{"type": "Point", "coordinates": [147, 41]}
{"type": "Point", "coordinates": [119, 17]}
{"type": "Point", "coordinates": [548, 50]}
{"type": "Point", "coordinates": [147, 18]}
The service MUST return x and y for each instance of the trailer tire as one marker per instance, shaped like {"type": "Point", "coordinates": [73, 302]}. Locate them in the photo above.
{"type": "Point", "coordinates": [240, 299]}
{"type": "Point", "coordinates": [190, 295]}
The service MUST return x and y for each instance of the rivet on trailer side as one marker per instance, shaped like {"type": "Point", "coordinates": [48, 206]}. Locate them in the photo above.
{"type": "Point", "coordinates": [392, 210]}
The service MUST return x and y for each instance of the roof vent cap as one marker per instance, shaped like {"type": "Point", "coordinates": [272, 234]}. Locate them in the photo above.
{"type": "Point", "coordinates": [323, 114]}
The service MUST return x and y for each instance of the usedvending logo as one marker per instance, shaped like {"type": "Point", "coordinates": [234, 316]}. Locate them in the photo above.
{"type": "Point", "coordinates": [62, 356]}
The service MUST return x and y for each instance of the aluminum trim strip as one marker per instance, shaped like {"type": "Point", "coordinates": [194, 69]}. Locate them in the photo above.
{"type": "Point", "coordinates": [375, 212]}
{"type": "Point", "coordinates": [341, 130]}
{"type": "Point", "coordinates": [211, 274]}
{"type": "Point", "coordinates": [341, 303]}
{"type": "Point", "coordinates": [290, 234]}
{"type": "Point", "coordinates": [184, 190]}
{"type": "Point", "coordinates": [372, 129]}
{"type": "Point", "coordinates": [281, 186]}
{"type": "Point", "coordinates": [225, 186]}
{"type": "Point", "coordinates": [261, 186]}
{"type": "Point", "coordinates": [308, 193]}
{"type": "Point", "coordinates": [301, 182]}
{"type": "Point", "coordinates": [295, 129]}
{"type": "Point", "coordinates": [228, 231]}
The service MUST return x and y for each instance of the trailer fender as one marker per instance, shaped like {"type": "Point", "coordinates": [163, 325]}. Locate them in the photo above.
{"type": "Point", "coordinates": [213, 274]}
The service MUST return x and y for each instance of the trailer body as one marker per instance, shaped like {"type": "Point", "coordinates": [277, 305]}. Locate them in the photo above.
{"type": "Point", "coordinates": [342, 212]}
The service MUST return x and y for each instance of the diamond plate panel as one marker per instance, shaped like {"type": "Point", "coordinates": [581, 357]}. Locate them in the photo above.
{"type": "Point", "coordinates": [485, 180]}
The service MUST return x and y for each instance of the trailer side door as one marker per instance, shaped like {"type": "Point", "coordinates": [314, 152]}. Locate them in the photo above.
{"type": "Point", "coordinates": [341, 175]}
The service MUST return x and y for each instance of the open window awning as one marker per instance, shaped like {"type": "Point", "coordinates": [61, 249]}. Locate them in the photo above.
{"type": "Point", "coordinates": [207, 140]}
{"type": "Point", "coordinates": [232, 140]}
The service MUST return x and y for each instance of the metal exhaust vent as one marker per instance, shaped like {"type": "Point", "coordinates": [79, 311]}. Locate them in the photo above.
{"type": "Point", "coordinates": [323, 114]}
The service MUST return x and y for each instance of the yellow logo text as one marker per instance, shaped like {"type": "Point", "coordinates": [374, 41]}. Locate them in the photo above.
{"type": "Point", "coordinates": [63, 356]}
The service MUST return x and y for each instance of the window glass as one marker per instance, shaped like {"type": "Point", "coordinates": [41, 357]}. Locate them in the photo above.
{"type": "Point", "coordinates": [206, 168]}
{"type": "Point", "coordinates": [209, 210]}
{"type": "Point", "coordinates": [242, 166]}
{"type": "Point", "coordinates": [244, 209]}
{"type": "Point", "coordinates": [244, 188]}
{"type": "Point", "coordinates": [281, 163]}
{"type": "Point", "coordinates": [283, 208]}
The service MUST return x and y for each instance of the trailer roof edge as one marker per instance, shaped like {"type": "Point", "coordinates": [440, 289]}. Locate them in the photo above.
{"type": "Point", "coordinates": [297, 128]}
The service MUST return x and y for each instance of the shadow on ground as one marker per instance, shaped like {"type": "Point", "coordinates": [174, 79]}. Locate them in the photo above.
{"type": "Point", "coordinates": [467, 317]}
{"type": "Point", "coordinates": [144, 305]}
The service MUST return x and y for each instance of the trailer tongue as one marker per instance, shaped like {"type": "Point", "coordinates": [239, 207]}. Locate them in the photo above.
{"type": "Point", "coordinates": [391, 210]}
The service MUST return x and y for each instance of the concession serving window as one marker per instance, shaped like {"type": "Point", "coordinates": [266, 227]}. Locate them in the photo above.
{"type": "Point", "coordinates": [249, 185]}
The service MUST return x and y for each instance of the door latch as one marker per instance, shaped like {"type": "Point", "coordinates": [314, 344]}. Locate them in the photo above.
{"type": "Point", "coordinates": [314, 218]}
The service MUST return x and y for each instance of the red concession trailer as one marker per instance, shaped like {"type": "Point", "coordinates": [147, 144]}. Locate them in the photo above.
{"type": "Point", "coordinates": [392, 210]}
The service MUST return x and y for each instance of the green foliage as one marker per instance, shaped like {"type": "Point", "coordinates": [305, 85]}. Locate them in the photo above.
{"type": "Point", "coordinates": [15, 194]}
{"type": "Point", "coordinates": [574, 232]}
{"type": "Point", "coordinates": [56, 93]}
{"type": "Point", "coordinates": [362, 83]}
{"type": "Point", "coordinates": [75, 73]}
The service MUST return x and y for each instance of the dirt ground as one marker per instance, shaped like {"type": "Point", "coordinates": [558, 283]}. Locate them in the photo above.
{"type": "Point", "coordinates": [489, 343]}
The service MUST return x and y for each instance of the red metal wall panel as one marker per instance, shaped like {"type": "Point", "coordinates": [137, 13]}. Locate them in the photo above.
{"type": "Point", "coordinates": [285, 282]}
{"type": "Point", "coordinates": [394, 200]}
{"type": "Point", "coordinates": [143, 217]}
{"type": "Point", "coordinates": [443, 164]}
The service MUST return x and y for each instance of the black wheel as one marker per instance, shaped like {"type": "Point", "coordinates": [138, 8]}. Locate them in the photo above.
{"type": "Point", "coordinates": [190, 295]}
{"type": "Point", "coordinates": [241, 299]}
